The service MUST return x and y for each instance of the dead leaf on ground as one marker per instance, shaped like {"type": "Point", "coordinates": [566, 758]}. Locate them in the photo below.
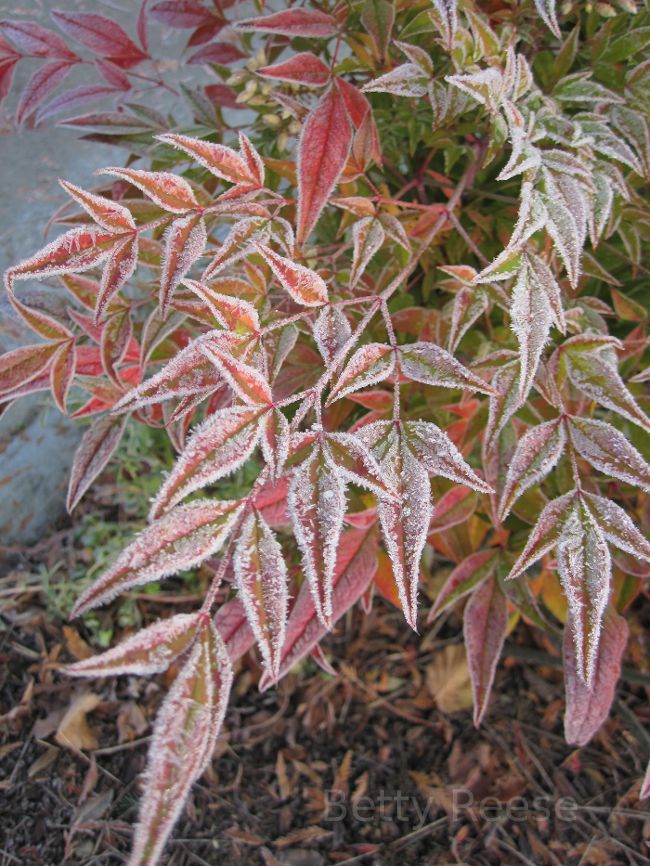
{"type": "Point", "coordinates": [76, 645]}
{"type": "Point", "coordinates": [131, 722]}
{"type": "Point", "coordinates": [448, 679]}
{"type": "Point", "coordinates": [74, 732]}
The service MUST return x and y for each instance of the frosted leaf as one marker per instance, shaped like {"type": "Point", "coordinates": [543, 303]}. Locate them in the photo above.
{"type": "Point", "coordinates": [240, 242]}
{"type": "Point", "coordinates": [331, 332]}
{"type": "Point", "coordinates": [504, 403]}
{"type": "Point", "coordinates": [617, 526]}
{"type": "Point", "coordinates": [462, 580]}
{"type": "Point", "coordinates": [149, 651]}
{"type": "Point", "coordinates": [485, 625]}
{"type": "Point", "coordinates": [547, 13]}
{"type": "Point", "coordinates": [408, 79]}
{"type": "Point", "coordinates": [182, 744]}
{"type": "Point", "coordinates": [317, 504]}
{"type": "Point", "coordinates": [524, 156]}
{"type": "Point", "coordinates": [540, 274]}
{"type": "Point", "coordinates": [218, 446]}
{"type": "Point", "coordinates": [566, 235]}
{"type": "Point", "coordinates": [275, 441]}
{"type": "Point", "coordinates": [118, 269]}
{"type": "Point", "coordinates": [282, 233]}
{"type": "Point", "coordinates": [609, 451]}
{"type": "Point", "coordinates": [588, 707]}
{"type": "Point", "coordinates": [180, 540]}
{"type": "Point", "coordinates": [261, 579]}
{"type": "Point", "coordinates": [605, 140]}
{"type": "Point", "coordinates": [304, 285]}
{"type": "Point", "coordinates": [531, 218]}
{"type": "Point", "coordinates": [168, 191]}
{"type": "Point", "coordinates": [357, 464]}
{"type": "Point", "coordinates": [221, 161]}
{"type": "Point", "coordinates": [469, 305]}
{"type": "Point", "coordinates": [432, 365]}
{"type": "Point", "coordinates": [230, 312]}
{"type": "Point", "coordinates": [445, 16]}
{"type": "Point", "coordinates": [580, 88]}
{"type": "Point", "coordinates": [93, 453]}
{"type": "Point", "coordinates": [530, 317]}
{"type": "Point", "coordinates": [185, 240]}
{"type": "Point", "coordinates": [247, 382]}
{"type": "Point", "coordinates": [253, 160]}
{"type": "Point", "coordinates": [634, 126]}
{"type": "Point", "coordinates": [439, 456]}
{"type": "Point", "coordinates": [186, 374]}
{"type": "Point", "coordinates": [485, 86]}
{"type": "Point", "coordinates": [644, 791]}
{"type": "Point", "coordinates": [603, 203]}
{"type": "Point", "coordinates": [585, 570]}
{"type": "Point", "coordinates": [538, 451]}
{"type": "Point", "coordinates": [368, 236]}
{"type": "Point", "coordinates": [594, 373]}
{"type": "Point", "coordinates": [405, 523]}
{"type": "Point", "coordinates": [545, 533]}
{"type": "Point", "coordinates": [395, 230]}
{"type": "Point", "coordinates": [109, 214]}
{"type": "Point", "coordinates": [279, 347]}
{"type": "Point", "coordinates": [416, 55]}
{"type": "Point", "coordinates": [370, 364]}
{"type": "Point", "coordinates": [506, 265]}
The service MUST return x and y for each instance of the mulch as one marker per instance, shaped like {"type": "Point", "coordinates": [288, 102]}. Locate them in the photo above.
{"type": "Point", "coordinates": [361, 768]}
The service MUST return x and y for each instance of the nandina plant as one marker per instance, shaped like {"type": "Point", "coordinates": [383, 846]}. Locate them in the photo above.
{"type": "Point", "coordinates": [419, 324]}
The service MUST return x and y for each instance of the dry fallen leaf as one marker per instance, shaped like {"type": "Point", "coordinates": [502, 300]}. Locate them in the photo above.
{"type": "Point", "coordinates": [448, 679]}
{"type": "Point", "coordinates": [131, 722]}
{"type": "Point", "coordinates": [76, 645]}
{"type": "Point", "coordinates": [74, 731]}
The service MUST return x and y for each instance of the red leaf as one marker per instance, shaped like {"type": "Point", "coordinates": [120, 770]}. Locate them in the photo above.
{"type": "Point", "coordinates": [485, 625]}
{"type": "Point", "coordinates": [102, 35]}
{"type": "Point", "coordinates": [181, 539]}
{"type": "Point", "coordinates": [293, 22]}
{"type": "Point", "coordinates": [370, 364]}
{"type": "Point", "coordinates": [40, 85]}
{"type": "Point", "coordinates": [303, 68]}
{"type": "Point", "coordinates": [7, 68]}
{"type": "Point", "coordinates": [261, 579]}
{"type": "Point", "coordinates": [217, 52]}
{"type": "Point", "coordinates": [149, 651]}
{"type": "Point", "coordinates": [304, 285]}
{"type": "Point", "coordinates": [249, 384]}
{"type": "Point", "coordinates": [115, 340]}
{"type": "Point", "coordinates": [231, 623]}
{"type": "Point", "coordinates": [118, 269]}
{"type": "Point", "coordinates": [322, 153]}
{"type": "Point", "coordinates": [74, 97]}
{"type": "Point", "coordinates": [470, 572]}
{"type": "Point", "coordinates": [545, 533]}
{"type": "Point", "coordinates": [587, 708]}
{"type": "Point", "coordinates": [185, 241]}
{"type": "Point", "coordinates": [39, 321]}
{"type": "Point", "coordinates": [95, 450]}
{"type": "Point", "coordinates": [430, 364]}
{"type": "Point", "coordinates": [21, 365]}
{"type": "Point", "coordinates": [222, 161]}
{"type": "Point", "coordinates": [456, 506]}
{"type": "Point", "coordinates": [536, 454]}
{"type": "Point", "coordinates": [180, 13]}
{"type": "Point", "coordinates": [61, 374]}
{"type": "Point", "coordinates": [168, 191]}
{"type": "Point", "coordinates": [107, 213]}
{"type": "Point", "coordinates": [224, 96]}
{"type": "Point", "coordinates": [36, 41]}
{"type": "Point", "coordinates": [356, 564]}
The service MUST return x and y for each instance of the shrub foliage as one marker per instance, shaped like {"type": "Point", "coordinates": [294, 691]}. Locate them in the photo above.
{"type": "Point", "coordinates": [422, 328]}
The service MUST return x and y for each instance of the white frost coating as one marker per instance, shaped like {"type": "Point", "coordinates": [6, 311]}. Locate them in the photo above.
{"type": "Point", "coordinates": [181, 539]}
{"type": "Point", "coordinates": [118, 269]}
{"type": "Point", "coordinates": [469, 304]}
{"type": "Point", "coordinates": [228, 311]}
{"type": "Point", "coordinates": [486, 86]}
{"type": "Point", "coordinates": [109, 214]}
{"type": "Point", "coordinates": [432, 365]}
{"type": "Point", "coordinates": [445, 17]}
{"type": "Point", "coordinates": [221, 161]}
{"type": "Point", "coordinates": [331, 332]}
{"type": "Point", "coordinates": [617, 526]}
{"type": "Point", "coordinates": [317, 504]}
{"type": "Point", "coordinates": [540, 273]}
{"type": "Point", "coordinates": [609, 451]}
{"type": "Point", "coordinates": [416, 55]}
{"type": "Point", "coordinates": [370, 364]}
{"type": "Point", "coordinates": [567, 227]}
{"type": "Point", "coordinates": [185, 240]}
{"type": "Point", "coordinates": [261, 579]}
{"type": "Point", "coordinates": [239, 243]}
{"type": "Point", "coordinates": [531, 318]}
{"type": "Point", "coordinates": [169, 191]}
{"type": "Point", "coordinates": [183, 741]}
{"type": "Point", "coordinates": [93, 453]}
{"type": "Point", "coordinates": [217, 447]}
{"type": "Point", "coordinates": [536, 454]}
{"type": "Point", "coordinates": [149, 651]}
{"type": "Point", "coordinates": [353, 459]}
{"type": "Point", "coordinates": [368, 235]}
{"type": "Point", "coordinates": [395, 230]}
{"type": "Point", "coordinates": [408, 79]}
{"type": "Point", "coordinates": [405, 524]}
{"type": "Point", "coordinates": [439, 456]}
{"type": "Point", "coordinates": [584, 567]}
{"type": "Point", "coordinates": [546, 9]}
{"type": "Point", "coordinates": [305, 286]}
{"type": "Point", "coordinates": [503, 404]}
{"type": "Point", "coordinates": [247, 382]}
{"type": "Point", "coordinates": [275, 441]}
{"type": "Point", "coordinates": [545, 533]}
{"type": "Point", "coordinates": [253, 160]}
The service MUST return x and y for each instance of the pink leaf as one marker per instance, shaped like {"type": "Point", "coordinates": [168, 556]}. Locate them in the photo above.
{"type": "Point", "coordinates": [531, 317]}
{"type": "Point", "coordinates": [588, 707]}
{"type": "Point", "coordinates": [251, 385]}
{"type": "Point", "coordinates": [218, 446]}
{"type": "Point", "coordinates": [73, 98]}
{"type": "Point", "coordinates": [102, 35]}
{"type": "Point", "coordinates": [368, 236]}
{"type": "Point", "coordinates": [356, 564]}
{"type": "Point", "coordinates": [95, 450]}
{"type": "Point", "coordinates": [40, 85]}
{"type": "Point", "coordinates": [261, 579]}
{"type": "Point", "coordinates": [476, 568]}
{"type": "Point", "coordinates": [115, 341]}
{"type": "Point", "coordinates": [439, 456]}
{"type": "Point", "coordinates": [231, 623]}
{"type": "Point", "coordinates": [185, 241]}
{"type": "Point", "coordinates": [24, 364]}
{"type": "Point", "coordinates": [149, 651]}
{"type": "Point", "coordinates": [370, 364]}
{"type": "Point", "coordinates": [183, 741]}
{"type": "Point", "coordinates": [168, 191]}
{"type": "Point", "coordinates": [222, 161]}
{"type": "Point", "coordinates": [222, 53]}
{"type": "Point", "coordinates": [230, 312]}
{"type": "Point", "coordinates": [304, 285]}
{"type": "Point", "coordinates": [181, 539]}
{"type": "Point", "coordinates": [609, 451]}
{"type": "Point", "coordinates": [322, 153]}
{"type": "Point", "coordinates": [36, 41]}
{"type": "Point", "coordinates": [545, 533]}
{"type": "Point", "coordinates": [454, 507]}
{"type": "Point", "coordinates": [617, 526]}
{"type": "Point", "coordinates": [485, 625]}
{"type": "Point", "coordinates": [303, 68]}
{"type": "Point", "coordinates": [432, 365]}
{"type": "Point", "coordinates": [293, 22]}
{"type": "Point", "coordinates": [239, 243]}
{"type": "Point", "coordinates": [331, 332]}
{"type": "Point", "coordinates": [181, 13]}
{"type": "Point", "coordinates": [109, 214]}
{"type": "Point", "coordinates": [61, 374]}
{"type": "Point", "coordinates": [536, 454]}
{"type": "Point", "coordinates": [113, 74]}
{"type": "Point", "coordinates": [118, 270]}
